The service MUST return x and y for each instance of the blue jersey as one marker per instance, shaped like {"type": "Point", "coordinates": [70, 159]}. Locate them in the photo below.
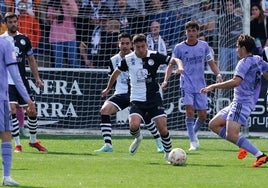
{"type": "Point", "coordinates": [193, 58]}
{"type": "Point", "coordinates": [250, 69]}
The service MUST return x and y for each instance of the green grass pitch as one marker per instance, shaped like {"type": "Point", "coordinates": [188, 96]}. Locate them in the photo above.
{"type": "Point", "coordinates": [72, 162]}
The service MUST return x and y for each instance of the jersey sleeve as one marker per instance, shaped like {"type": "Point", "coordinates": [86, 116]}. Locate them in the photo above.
{"type": "Point", "coordinates": [209, 54]}
{"type": "Point", "coordinates": [241, 68]}
{"type": "Point", "coordinates": [28, 46]}
{"type": "Point", "coordinates": [111, 68]}
{"type": "Point", "coordinates": [163, 59]}
{"type": "Point", "coordinates": [122, 66]}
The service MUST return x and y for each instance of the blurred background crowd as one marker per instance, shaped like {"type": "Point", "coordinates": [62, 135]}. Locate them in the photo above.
{"type": "Point", "coordinates": [83, 33]}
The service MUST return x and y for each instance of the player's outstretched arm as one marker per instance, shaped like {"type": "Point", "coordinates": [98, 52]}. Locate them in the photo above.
{"type": "Point", "coordinates": [169, 70]}
{"type": "Point", "coordinates": [234, 82]}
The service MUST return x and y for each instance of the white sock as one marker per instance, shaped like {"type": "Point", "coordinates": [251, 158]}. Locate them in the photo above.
{"type": "Point", "coordinates": [33, 138]}
{"type": "Point", "coordinates": [108, 145]}
{"type": "Point", "coordinates": [17, 140]}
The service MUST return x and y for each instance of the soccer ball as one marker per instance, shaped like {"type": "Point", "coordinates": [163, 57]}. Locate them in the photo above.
{"type": "Point", "coordinates": [177, 157]}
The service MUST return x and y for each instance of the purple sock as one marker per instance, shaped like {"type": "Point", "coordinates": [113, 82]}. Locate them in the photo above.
{"type": "Point", "coordinates": [197, 125]}
{"type": "Point", "coordinates": [6, 157]}
{"type": "Point", "coordinates": [244, 143]}
{"type": "Point", "coordinates": [190, 128]}
{"type": "Point", "coordinates": [222, 132]}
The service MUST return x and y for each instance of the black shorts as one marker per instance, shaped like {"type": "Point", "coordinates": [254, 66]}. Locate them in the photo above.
{"type": "Point", "coordinates": [15, 97]}
{"type": "Point", "coordinates": [147, 112]}
{"type": "Point", "coordinates": [121, 101]}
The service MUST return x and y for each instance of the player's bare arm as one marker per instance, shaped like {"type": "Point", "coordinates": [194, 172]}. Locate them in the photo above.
{"type": "Point", "coordinates": [215, 70]}
{"type": "Point", "coordinates": [234, 82]}
{"type": "Point", "coordinates": [34, 69]}
{"type": "Point", "coordinates": [111, 82]}
{"type": "Point", "coordinates": [169, 70]}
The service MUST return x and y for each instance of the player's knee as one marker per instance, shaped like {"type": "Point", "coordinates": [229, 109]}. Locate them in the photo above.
{"type": "Point", "coordinates": [212, 125]}
{"type": "Point", "coordinates": [107, 110]}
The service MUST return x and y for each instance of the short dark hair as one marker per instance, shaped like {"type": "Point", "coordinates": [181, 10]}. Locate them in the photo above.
{"type": "Point", "coordinates": [10, 15]}
{"type": "Point", "coordinates": [192, 24]}
{"type": "Point", "coordinates": [247, 41]}
{"type": "Point", "coordinates": [124, 35]}
{"type": "Point", "coordinates": [139, 38]}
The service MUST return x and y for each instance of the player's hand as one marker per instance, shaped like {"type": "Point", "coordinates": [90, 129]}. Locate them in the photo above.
{"type": "Point", "coordinates": [219, 78]}
{"type": "Point", "coordinates": [164, 85]}
{"type": "Point", "coordinates": [31, 111]}
{"type": "Point", "coordinates": [40, 83]}
{"type": "Point", "coordinates": [104, 92]}
{"type": "Point", "coordinates": [206, 89]}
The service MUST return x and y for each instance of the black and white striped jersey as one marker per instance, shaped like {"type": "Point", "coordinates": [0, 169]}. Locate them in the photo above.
{"type": "Point", "coordinates": [143, 73]}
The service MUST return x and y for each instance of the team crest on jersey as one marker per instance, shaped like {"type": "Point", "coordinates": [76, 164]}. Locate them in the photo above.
{"type": "Point", "coordinates": [22, 42]}
{"type": "Point", "coordinates": [151, 62]}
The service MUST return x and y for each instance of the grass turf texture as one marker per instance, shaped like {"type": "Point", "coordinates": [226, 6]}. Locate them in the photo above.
{"type": "Point", "coordinates": [72, 162]}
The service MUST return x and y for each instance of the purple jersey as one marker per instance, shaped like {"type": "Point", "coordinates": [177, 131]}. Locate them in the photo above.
{"type": "Point", "coordinates": [193, 58]}
{"type": "Point", "coordinates": [8, 61]}
{"type": "Point", "coordinates": [250, 69]}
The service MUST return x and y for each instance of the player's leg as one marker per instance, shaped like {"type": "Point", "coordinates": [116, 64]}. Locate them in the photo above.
{"type": "Point", "coordinates": [135, 118]}
{"type": "Point", "coordinates": [150, 125]}
{"type": "Point", "coordinates": [20, 117]}
{"type": "Point", "coordinates": [111, 106]}
{"type": "Point", "coordinates": [199, 122]}
{"type": "Point", "coordinates": [13, 102]}
{"type": "Point", "coordinates": [218, 126]}
{"type": "Point", "coordinates": [15, 128]}
{"type": "Point", "coordinates": [161, 123]}
{"type": "Point", "coordinates": [188, 101]}
{"type": "Point", "coordinates": [32, 124]}
{"type": "Point", "coordinates": [189, 121]}
{"type": "Point", "coordinates": [107, 109]}
{"type": "Point", "coordinates": [6, 146]}
{"type": "Point", "coordinates": [233, 130]}
{"type": "Point", "coordinates": [201, 106]}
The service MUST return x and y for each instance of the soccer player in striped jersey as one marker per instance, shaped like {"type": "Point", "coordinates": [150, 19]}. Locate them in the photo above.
{"type": "Point", "coordinates": [194, 54]}
{"type": "Point", "coordinates": [8, 63]}
{"type": "Point", "coordinates": [247, 84]}
{"type": "Point", "coordinates": [145, 98]}
{"type": "Point", "coordinates": [23, 49]}
{"type": "Point", "coordinates": [121, 98]}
